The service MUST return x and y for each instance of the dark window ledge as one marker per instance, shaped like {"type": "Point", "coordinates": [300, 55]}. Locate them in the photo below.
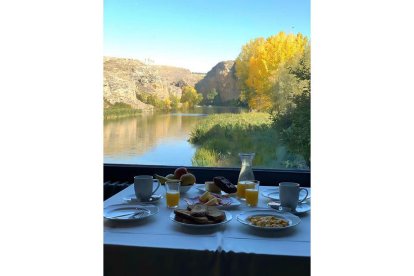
{"type": "Point", "coordinates": [267, 177]}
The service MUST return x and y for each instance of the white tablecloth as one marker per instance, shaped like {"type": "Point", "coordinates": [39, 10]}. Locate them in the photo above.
{"type": "Point", "coordinates": [159, 232]}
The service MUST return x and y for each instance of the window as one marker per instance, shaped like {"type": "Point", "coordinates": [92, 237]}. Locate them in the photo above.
{"type": "Point", "coordinates": [194, 83]}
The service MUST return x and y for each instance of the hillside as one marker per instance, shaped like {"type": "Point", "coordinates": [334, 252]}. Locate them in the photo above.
{"type": "Point", "coordinates": [125, 79]}
{"type": "Point", "coordinates": [221, 77]}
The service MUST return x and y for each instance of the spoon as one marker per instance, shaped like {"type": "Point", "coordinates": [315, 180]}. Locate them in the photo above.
{"type": "Point", "coordinates": [278, 207]}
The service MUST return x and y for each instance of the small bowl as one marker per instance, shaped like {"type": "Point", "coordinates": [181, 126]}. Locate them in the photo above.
{"type": "Point", "coordinates": [184, 189]}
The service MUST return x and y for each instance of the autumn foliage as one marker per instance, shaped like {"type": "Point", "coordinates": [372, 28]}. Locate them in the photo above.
{"type": "Point", "coordinates": [260, 63]}
{"type": "Point", "coordinates": [190, 97]}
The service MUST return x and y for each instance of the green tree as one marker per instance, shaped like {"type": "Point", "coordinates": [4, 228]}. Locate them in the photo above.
{"type": "Point", "coordinates": [175, 102]}
{"type": "Point", "coordinates": [293, 119]}
{"type": "Point", "coordinates": [290, 82]}
{"type": "Point", "coordinates": [190, 97]}
{"type": "Point", "coordinates": [211, 96]}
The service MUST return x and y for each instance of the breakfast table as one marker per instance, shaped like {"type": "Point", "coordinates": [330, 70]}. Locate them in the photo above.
{"type": "Point", "coordinates": [157, 245]}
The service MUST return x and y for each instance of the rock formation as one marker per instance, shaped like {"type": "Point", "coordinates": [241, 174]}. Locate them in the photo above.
{"type": "Point", "coordinates": [126, 79]}
{"type": "Point", "coordinates": [221, 77]}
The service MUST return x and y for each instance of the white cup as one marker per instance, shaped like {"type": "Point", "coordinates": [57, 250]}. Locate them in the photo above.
{"type": "Point", "coordinates": [289, 194]}
{"type": "Point", "coordinates": [143, 187]}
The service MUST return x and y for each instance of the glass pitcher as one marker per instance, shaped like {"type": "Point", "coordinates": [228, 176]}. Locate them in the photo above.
{"type": "Point", "coordinates": [246, 175]}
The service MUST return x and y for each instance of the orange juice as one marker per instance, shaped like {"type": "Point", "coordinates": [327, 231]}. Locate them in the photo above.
{"type": "Point", "coordinates": [172, 199]}
{"type": "Point", "coordinates": [252, 197]}
{"type": "Point", "coordinates": [242, 186]}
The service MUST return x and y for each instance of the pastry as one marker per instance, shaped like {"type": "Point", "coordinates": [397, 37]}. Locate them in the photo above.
{"type": "Point", "coordinates": [224, 184]}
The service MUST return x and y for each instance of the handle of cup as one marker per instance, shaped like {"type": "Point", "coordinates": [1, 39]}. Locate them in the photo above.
{"type": "Point", "coordinates": [307, 193]}
{"type": "Point", "coordinates": [158, 185]}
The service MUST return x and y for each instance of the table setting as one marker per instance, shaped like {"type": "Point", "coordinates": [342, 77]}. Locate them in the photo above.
{"type": "Point", "coordinates": [166, 206]}
{"type": "Point", "coordinates": [217, 216]}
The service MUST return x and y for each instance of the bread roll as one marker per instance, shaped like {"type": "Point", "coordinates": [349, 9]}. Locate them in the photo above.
{"type": "Point", "coordinates": [212, 187]}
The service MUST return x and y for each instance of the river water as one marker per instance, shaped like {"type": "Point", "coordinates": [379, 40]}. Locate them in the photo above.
{"type": "Point", "coordinates": [155, 138]}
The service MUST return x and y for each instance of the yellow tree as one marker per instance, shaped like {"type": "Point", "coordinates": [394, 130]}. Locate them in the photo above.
{"type": "Point", "coordinates": [259, 63]}
{"type": "Point", "coordinates": [190, 97]}
{"type": "Point", "coordinates": [243, 65]}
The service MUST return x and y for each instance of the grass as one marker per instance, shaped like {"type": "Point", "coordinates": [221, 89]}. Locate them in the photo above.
{"type": "Point", "coordinates": [204, 158]}
{"type": "Point", "coordinates": [120, 110]}
{"type": "Point", "coordinates": [221, 137]}
{"type": "Point", "coordinates": [229, 125]}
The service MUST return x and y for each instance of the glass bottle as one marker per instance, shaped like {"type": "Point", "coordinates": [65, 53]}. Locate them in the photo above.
{"type": "Point", "coordinates": [246, 175]}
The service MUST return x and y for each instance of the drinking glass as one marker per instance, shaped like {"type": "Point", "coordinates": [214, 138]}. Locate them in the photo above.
{"type": "Point", "coordinates": [173, 193]}
{"type": "Point", "coordinates": [246, 176]}
{"type": "Point", "coordinates": [252, 193]}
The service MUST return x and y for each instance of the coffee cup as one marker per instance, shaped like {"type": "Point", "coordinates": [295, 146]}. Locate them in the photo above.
{"type": "Point", "coordinates": [289, 194]}
{"type": "Point", "coordinates": [143, 186]}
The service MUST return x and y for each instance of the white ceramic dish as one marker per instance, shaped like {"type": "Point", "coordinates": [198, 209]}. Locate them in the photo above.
{"type": "Point", "coordinates": [273, 193]}
{"type": "Point", "coordinates": [184, 189]}
{"type": "Point", "coordinates": [302, 208]}
{"type": "Point", "coordinates": [292, 219]}
{"type": "Point", "coordinates": [228, 218]}
{"type": "Point", "coordinates": [229, 202]}
{"type": "Point", "coordinates": [132, 199]}
{"type": "Point", "coordinates": [129, 212]}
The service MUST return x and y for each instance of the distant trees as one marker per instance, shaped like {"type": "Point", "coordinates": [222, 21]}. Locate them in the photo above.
{"type": "Point", "coordinates": [211, 95]}
{"type": "Point", "coordinates": [190, 97]}
{"type": "Point", "coordinates": [175, 102]}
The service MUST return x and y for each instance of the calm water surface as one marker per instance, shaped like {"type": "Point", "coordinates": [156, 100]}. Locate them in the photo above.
{"type": "Point", "coordinates": [154, 138]}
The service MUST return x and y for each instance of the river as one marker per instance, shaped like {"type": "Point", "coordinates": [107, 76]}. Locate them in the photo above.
{"type": "Point", "coordinates": [155, 138]}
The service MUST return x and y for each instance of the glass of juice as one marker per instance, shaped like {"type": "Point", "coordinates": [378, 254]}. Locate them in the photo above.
{"type": "Point", "coordinates": [251, 193]}
{"type": "Point", "coordinates": [173, 193]}
{"type": "Point", "coordinates": [242, 186]}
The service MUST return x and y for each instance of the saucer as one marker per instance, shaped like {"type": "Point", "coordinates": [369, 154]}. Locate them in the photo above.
{"type": "Point", "coordinates": [274, 194]}
{"type": "Point", "coordinates": [132, 199]}
{"type": "Point", "coordinates": [300, 209]}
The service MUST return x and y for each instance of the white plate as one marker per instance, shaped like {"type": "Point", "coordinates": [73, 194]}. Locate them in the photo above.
{"type": "Point", "coordinates": [292, 219]}
{"type": "Point", "coordinates": [231, 202]}
{"type": "Point", "coordinates": [300, 209]}
{"type": "Point", "coordinates": [228, 218]}
{"type": "Point", "coordinates": [125, 212]}
{"type": "Point", "coordinates": [274, 194]}
{"type": "Point", "coordinates": [202, 188]}
{"type": "Point", "coordinates": [132, 199]}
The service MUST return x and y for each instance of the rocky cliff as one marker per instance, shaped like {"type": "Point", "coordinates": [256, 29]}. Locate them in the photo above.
{"type": "Point", "coordinates": [221, 77]}
{"type": "Point", "coordinates": [125, 79]}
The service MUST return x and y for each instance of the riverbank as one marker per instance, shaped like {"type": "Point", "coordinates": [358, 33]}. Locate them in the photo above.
{"type": "Point", "coordinates": [120, 110]}
{"type": "Point", "coordinates": [221, 137]}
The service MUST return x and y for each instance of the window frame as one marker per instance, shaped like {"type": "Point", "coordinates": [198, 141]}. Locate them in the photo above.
{"type": "Point", "coordinates": [267, 177]}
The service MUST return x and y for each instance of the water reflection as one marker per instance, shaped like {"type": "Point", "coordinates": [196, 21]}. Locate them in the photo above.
{"type": "Point", "coordinates": [154, 138]}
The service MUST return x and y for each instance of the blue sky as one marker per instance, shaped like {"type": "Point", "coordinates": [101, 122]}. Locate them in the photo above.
{"type": "Point", "coordinates": [196, 34]}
